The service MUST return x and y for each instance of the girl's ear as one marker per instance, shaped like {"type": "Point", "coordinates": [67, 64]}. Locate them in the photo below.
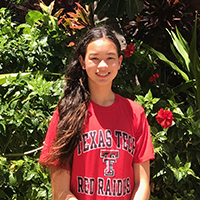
{"type": "Point", "coordinates": [120, 61]}
{"type": "Point", "coordinates": [82, 62]}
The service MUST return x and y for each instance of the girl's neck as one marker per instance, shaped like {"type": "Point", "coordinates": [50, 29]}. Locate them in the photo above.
{"type": "Point", "coordinates": [102, 96]}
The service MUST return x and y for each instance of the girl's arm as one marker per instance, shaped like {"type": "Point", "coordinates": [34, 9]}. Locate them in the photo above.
{"type": "Point", "coordinates": [141, 189]}
{"type": "Point", "coordinates": [60, 183]}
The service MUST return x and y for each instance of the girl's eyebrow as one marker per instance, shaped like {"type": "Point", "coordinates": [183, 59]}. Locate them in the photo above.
{"type": "Point", "coordinates": [93, 54]}
{"type": "Point", "coordinates": [109, 53]}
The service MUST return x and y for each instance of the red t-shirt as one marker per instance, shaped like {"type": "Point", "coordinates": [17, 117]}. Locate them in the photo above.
{"type": "Point", "coordinates": [115, 137]}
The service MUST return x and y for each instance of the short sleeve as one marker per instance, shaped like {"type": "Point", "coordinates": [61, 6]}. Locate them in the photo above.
{"type": "Point", "coordinates": [143, 144]}
{"type": "Point", "coordinates": [51, 134]}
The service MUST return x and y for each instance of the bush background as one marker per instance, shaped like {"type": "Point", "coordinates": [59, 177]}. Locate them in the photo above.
{"type": "Point", "coordinates": [34, 45]}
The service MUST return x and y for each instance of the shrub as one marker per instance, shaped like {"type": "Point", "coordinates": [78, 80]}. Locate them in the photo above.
{"type": "Point", "coordinates": [32, 46]}
{"type": "Point", "coordinates": [27, 105]}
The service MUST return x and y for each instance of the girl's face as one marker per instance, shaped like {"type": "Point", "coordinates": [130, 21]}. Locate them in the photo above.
{"type": "Point", "coordinates": [101, 62]}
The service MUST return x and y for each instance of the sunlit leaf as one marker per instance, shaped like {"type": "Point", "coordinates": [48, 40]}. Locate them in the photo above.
{"type": "Point", "coordinates": [3, 77]}
{"type": "Point", "coordinates": [181, 49]}
{"type": "Point", "coordinates": [148, 96]}
{"type": "Point", "coordinates": [182, 40]}
{"type": "Point", "coordinates": [44, 6]}
{"type": "Point", "coordinates": [33, 16]}
{"type": "Point", "coordinates": [50, 7]}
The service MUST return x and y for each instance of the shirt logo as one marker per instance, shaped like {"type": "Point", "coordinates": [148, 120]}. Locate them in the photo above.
{"type": "Point", "coordinates": [109, 157]}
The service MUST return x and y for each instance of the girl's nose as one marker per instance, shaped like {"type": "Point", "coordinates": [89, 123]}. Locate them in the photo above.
{"type": "Point", "coordinates": [102, 64]}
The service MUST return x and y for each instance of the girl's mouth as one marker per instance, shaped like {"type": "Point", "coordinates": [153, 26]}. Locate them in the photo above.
{"type": "Point", "coordinates": [103, 74]}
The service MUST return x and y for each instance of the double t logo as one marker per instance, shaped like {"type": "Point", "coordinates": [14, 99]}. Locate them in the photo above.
{"type": "Point", "coordinates": [109, 157]}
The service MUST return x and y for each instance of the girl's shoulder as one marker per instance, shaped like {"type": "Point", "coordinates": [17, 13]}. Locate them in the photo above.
{"type": "Point", "coordinates": [136, 107]}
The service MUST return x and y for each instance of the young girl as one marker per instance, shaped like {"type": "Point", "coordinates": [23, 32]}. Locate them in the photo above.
{"type": "Point", "coordinates": [98, 144]}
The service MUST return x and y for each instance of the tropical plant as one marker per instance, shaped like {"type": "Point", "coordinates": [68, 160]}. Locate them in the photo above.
{"type": "Point", "coordinates": [175, 170]}
{"type": "Point", "coordinates": [29, 99]}
{"type": "Point", "coordinates": [26, 108]}
{"type": "Point", "coordinates": [156, 16]}
{"type": "Point", "coordinates": [36, 45]}
{"type": "Point", "coordinates": [189, 60]}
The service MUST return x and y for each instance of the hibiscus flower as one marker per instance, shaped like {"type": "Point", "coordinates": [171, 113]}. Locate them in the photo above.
{"type": "Point", "coordinates": [154, 77]}
{"type": "Point", "coordinates": [164, 118]}
{"type": "Point", "coordinates": [129, 50]}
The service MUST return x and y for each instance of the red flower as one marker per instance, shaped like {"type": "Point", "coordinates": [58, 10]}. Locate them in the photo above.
{"type": "Point", "coordinates": [154, 77]}
{"type": "Point", "coordinates": [129, 50]}
{"type": "Point", "coordinates": [71, 44]}
{"type": "Point", "coordinates": [164, 118]}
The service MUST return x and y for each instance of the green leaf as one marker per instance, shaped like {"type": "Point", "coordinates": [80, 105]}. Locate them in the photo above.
{"type": "Point", "coordinates": [3, 77]}
{"type": "Point", "coordinates": [12, 178]}
{"type": "Point", "coordinates": [178, 175]}
{"type": "Point", "coordinates": [119, 10]}
{"type": "Point", "coordinates": [155, 100]}
{"type": "Point", "coordinates": [177, 55]}
{"type": "Point", "coordinates": [3, 160]}
{"type": "Point", "coordinates": [190, 112]}
{"type": "Point", "coordinates": [183, 87]}
{"type": "Point", "coordinates": [181, 49]}
{"type": "Point", "coordinates": [140, 98]}
{"type": "Point", "coordinates": [177, 159]}
{"type": "Point", "coordinates": [24, 26]}
{"type": "Point", "coordinates": [182, 40]}
{"type": "Point", "coordinates": [172, 103]}
{"type": "Point", "coordinates": [187, 166]}
{"type": "Point", "coordinates": [195, 62]}
{"type": "Point", "coordinates": [148, 96]}
{"type": "Point", "coordinates": [33, 16]}
{"type": "Point", "coordinates": [30, 175]}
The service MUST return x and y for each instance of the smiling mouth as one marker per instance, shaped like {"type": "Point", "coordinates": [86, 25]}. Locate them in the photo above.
{"type": "Point", "coordinates": [103, 74]}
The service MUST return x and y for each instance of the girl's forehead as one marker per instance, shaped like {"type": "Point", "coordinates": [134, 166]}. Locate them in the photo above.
{"type": "Point", "coordinates": [101, 43]}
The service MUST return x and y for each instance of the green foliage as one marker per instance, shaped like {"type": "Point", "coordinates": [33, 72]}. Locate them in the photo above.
{"type": "Point", "coordinates": [189, 63]}
{"type": "Point", "coordinates": [26, 108]}
{"type": "Point", "coordinates": [134, 73]}
{"type": "Point", "coordinates": [174, 172]}
{"type": "Point", "coordinates": [26, 105]}
{"type": "Point", "coordinates": [23, 179]}
{"type": "Point", "coordinates": [37, 45]}
{"type": "Point", "coordinates": [28, 100]}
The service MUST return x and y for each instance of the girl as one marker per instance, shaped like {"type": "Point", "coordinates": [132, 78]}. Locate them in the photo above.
{"type": "Point", "coordinates": [98, 144]}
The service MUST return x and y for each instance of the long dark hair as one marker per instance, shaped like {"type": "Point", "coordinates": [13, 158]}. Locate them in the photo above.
{"type": "Point", "coordinates": [73, 105]}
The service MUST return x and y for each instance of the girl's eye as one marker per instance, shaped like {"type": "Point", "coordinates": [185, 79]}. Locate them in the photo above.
{"type": "Point", "coordinates": [94, 58]}
{"type": "Point", "coordinates": [110, 58]}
